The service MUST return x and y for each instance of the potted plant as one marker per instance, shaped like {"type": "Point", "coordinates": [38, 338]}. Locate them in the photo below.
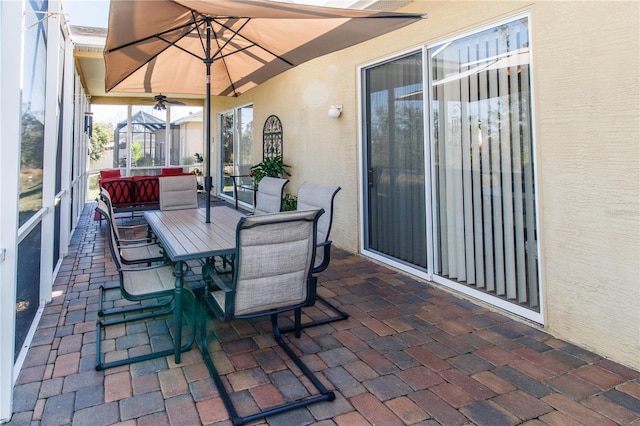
{"type": "Point", "coordinates": [289, 203]}
{"type": "Point", "coordinates": [272, 167]}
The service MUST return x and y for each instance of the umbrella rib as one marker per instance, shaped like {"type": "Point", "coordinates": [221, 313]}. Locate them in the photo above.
{"type": "Point", "coordinates": [171, 43]}
{"type": "Point", "coordinates": [194, 24]}
{"type": "Point", "coordinates": [237, 33]}
{"type": "Point", "coordinates": [203, 21]}
{"type": "Point", "coordinates": [226, 69]}
{"type": "Point", "coordinates": [234, 32]}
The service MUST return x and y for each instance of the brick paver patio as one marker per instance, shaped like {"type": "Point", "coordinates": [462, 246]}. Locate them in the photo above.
{"type": "Point", "coordinates": [410, 353]}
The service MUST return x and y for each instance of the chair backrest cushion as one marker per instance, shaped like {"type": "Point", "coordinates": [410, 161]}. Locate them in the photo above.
{"type": "Point", "coordinates": [178, 192]}
{"type": "Point", "coordinates": [314, 196]}
{"type": "Point", "coordinates": [269, 197]}
{"type": "Point", "coordinates": [274, 260]}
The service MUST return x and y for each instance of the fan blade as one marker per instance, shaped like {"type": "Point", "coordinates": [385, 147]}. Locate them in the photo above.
{"type": "Point", "coordinates": [174, 102]}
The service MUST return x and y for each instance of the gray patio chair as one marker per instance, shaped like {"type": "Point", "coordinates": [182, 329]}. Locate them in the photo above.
{"type": "Point", "coordinates": [132, 251]}
{"type": "Point", "coordinates": [269, 196]}
{"type": "Point", "coordinates": [178, 192]}
{"type": "Point", "coordinates": [274, 257]}
{"type": "Point", "coordinates": [268, 199]}
{"type": "Point", "coordinates": [313, 196]}
{"type": "Point", "coordinates": [106, 197]}
{"type": "Point", "coordinates": [139, 284]}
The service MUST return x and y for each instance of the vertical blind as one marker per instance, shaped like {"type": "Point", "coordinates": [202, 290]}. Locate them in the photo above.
{"type": "Point", "coordinates": [484, 221]}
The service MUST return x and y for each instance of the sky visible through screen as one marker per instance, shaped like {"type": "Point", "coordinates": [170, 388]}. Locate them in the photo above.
{"type": "Point", "coordinates": [95, 13]}
{"type": "Point", "coordinates": [88, 13]}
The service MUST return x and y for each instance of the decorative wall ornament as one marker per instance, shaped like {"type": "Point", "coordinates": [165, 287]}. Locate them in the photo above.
{"type": "Point", "coordinates": [272, 138]}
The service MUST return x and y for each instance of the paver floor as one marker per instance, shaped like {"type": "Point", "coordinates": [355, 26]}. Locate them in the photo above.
{"type": "Point", "coordinates": [409, 353]}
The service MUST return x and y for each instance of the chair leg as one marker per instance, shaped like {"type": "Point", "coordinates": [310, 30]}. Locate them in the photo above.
{"type": "Point", "coordinates": [100, 324]}
{"type": "Point", "coordinates": [324, 393]}
{"type": "Point", "coordinates": [298, 325]}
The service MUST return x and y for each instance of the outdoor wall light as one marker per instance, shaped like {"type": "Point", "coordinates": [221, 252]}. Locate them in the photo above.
{"type": "Point", "coordinates": [335, 111]}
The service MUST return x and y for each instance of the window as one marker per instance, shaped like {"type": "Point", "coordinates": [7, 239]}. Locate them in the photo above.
{"type": "Point", "coordinates": [33, 102]}
{"type": "Point", "coordinates": [186, 137]}
{"type": "Point", "coordinates": [31, 167]}
{"type": "Point", "coordinates": [148, 150]}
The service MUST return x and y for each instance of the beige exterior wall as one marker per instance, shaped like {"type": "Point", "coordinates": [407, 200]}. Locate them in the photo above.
{"type": "Point", "coordinates": [587, 107]}
{"type": "Point", "coordinates": [192, 133]}
{"type": "Point", "coordinates": [587, 113]}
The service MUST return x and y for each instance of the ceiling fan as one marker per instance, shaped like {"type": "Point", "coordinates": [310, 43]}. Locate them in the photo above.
{"type": "Point", "coordinates": [162, 99]}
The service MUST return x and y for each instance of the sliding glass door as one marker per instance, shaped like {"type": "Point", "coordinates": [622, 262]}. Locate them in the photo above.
{"type": "Point", "coordinates": [479, 211]}
{"type": "Point", "coordinates": [395, 178]}
{"type": "Point", "coordinates": [236, 143]}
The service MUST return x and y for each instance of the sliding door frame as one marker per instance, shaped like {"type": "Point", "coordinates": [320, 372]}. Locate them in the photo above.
{"type": "Point", "coordinates": [363, 160]}
{"type": "Point", "coordinates": [431, 201]}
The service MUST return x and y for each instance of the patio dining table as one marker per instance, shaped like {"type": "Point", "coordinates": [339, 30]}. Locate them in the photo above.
{"type": "Point", "coordinates": [185, 235]}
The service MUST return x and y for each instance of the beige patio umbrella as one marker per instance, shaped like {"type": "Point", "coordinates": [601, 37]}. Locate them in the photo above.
{"type": "Point", "coordinates": [225, 47]}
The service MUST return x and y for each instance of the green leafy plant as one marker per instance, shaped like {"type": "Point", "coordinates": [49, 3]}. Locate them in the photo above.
{"type": "Point", "coordinates": [145, 161]}
{"type": "Point", "coordinates": [136, 152]}
{"type": "Point", "coordinates": [289, 203]}
{"type": "Point", "coordinates": [102, 135]}
{"type": "Point", "coordinates": [272, 167]}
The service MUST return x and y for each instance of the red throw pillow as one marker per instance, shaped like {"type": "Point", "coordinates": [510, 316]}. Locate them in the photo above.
{"type": "Point", "coordinates": [110, 173]}
{"type": "Point", "coordinates": [171, 171]}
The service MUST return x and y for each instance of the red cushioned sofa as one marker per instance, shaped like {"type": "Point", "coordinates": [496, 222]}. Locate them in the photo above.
{"type": "Point", "coordinates": [135, 193]}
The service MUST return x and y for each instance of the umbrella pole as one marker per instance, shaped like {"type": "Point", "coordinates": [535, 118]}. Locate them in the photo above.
{"type": "Point", "coordinates": [207, 108]}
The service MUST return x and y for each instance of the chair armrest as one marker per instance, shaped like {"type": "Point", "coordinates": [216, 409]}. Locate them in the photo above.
{"type": "Point", "coordinates": [149, 241]}
{"type": "Point", "coordinates": [209, 270]}
{"type": "Point", "coordinates": [326, 258]}
{"type": "Point", "coordinates": [237, 185]}
{"type": "Point", "coordinates": [223, 313]}
{"type": "Point", "coordinates": [222, 285]}
{"type": "Point", "coordinates": [144, 268]}
{"type": "Point", "coordinates": [241, 185]}
{"type": "Point", "coordinates": [137, 243]}
{"type": "Point", "coordinates": [126, 227]}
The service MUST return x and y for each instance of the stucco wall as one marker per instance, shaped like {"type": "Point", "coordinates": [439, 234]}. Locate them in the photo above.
{"type": "Point", "coordinates": [587, 110]}
{"type": "Point", "coordinates": [587, 116]}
